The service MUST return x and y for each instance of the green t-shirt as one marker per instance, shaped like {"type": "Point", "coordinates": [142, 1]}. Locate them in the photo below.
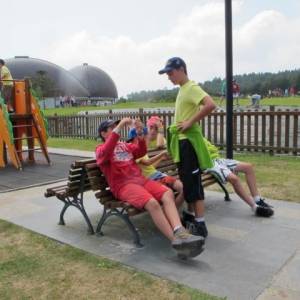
{"type": "Point", "coordinates": [188, 100]}
{"type": "Point", "coordinates": [212, 149]}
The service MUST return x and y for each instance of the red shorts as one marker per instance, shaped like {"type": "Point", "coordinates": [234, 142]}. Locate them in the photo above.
{"type": "Point", "coordinates": [138, 195]}
{"type": "Point", "coordinates": [168, 181]}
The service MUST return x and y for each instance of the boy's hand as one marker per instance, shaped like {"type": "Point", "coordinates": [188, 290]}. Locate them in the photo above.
{"type": "Point", "coordinates": [164, 155]}
{"type": "Point", "coordinates": [124, 122]}
{"type": "Point", "coordinates": [183, 126]}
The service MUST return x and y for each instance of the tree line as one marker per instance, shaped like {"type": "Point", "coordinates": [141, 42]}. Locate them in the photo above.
{"type": "Point", "coordinates": [251, 83]}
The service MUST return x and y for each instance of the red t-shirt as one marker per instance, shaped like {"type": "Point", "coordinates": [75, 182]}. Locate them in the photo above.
{"type": "Point", "coordinates": [117, 161]}
{"type": "Point", "coordinates": [235, 88]}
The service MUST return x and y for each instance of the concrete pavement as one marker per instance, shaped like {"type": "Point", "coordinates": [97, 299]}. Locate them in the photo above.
{"type": "Point", "coordinates": [245, 258]}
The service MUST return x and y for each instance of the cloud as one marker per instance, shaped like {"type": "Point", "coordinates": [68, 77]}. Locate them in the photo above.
{"type": "Point", "coordinates": [267, 42]}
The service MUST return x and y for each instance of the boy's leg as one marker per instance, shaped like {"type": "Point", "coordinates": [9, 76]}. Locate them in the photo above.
{"type": "Point", "coordinates": [139, 197]}
{"type": "Point", "coordinates": [238, 188]}
{"type": "Point", "coordinates": [190, 175]}
{"type": "Point", "coordinates": [159, 218]}
{"type": "Point", "coordinates": [178, 187]}
{"type": "Point", "coordinates": [248, 170]}
{"type": "Point", "coordinates": [182, 241]}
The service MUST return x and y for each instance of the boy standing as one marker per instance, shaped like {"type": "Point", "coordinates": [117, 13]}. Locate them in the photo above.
{"type": "Point", "coordinates": [185, 141]}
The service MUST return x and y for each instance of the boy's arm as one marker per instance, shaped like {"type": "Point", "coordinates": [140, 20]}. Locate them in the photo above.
{"type": "Point", "coordinates": [104, 151]}
{"type": "Point", "coordinates": [155, 160]}
{"type": "Point", "coordinates": [140, 149]}
{"type": "Point", "coordinates": [208, 106]}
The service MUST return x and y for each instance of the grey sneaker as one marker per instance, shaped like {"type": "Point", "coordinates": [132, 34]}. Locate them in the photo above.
{"type": "Point", "coordinates": [186, 244]}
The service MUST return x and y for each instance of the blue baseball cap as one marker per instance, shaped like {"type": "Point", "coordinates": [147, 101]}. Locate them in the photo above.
{"type": "Point", "coordinates": [173, 63]}
{"type": "Point", "coordinates": [106, 124]}
{"type": "Point", "coordinates": [133, 134]}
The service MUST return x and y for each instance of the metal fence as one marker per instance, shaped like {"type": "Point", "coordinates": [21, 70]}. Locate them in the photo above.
{"type": "Point", "coordinates": [274, 131]}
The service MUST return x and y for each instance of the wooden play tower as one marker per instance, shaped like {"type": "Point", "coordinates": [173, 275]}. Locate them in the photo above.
{"type": "Point", "coordinates": [26, 124]}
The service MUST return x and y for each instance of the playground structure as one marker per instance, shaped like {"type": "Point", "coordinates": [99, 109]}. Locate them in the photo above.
{"type": "Point", "coordinates": [26, 123]}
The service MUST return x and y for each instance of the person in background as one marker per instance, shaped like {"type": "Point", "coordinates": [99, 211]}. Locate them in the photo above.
{"type": "Point", "coordinates": [117, 162]}
{"type": "Point", "coordinates": [184, 138]}
{"type": "Point", "coordinates": [255, 99]}
{"type": "Point", "coordinates": [235, 91]}
{"type": "Point", "coordinates": [6, 83]}
{"type": "Point", "coordinates": [223, 92]}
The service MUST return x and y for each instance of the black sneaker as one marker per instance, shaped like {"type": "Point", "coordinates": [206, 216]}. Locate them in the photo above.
{"type": "Point", "coordinates": [262, 203]}
{"type": "Point", "coordinates": [198, 228]}
{"type": "Point", "coordinates": [186, 219]}
{"type": "Point", "coordinates": [263, 211]}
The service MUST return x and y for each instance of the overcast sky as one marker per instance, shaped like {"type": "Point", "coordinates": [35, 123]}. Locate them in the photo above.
{"type": "Point", "coordinates": [132, 39]}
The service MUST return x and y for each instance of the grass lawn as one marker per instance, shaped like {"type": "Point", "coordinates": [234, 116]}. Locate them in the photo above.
{"type": "Point", "coordinates": [35, 267]}
{"type": "Point", "coordinates": [75, 110]}
{"type": "Point", "coordinates": [283, 101]}
{"type": "Point", "coordinates": [277, 176]}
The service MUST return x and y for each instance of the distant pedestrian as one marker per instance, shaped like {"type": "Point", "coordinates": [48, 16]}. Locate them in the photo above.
{"type": "Point", "coordinates": [255, 99]}
{"type": "Point", "coordinates": [223, 92]}
{"type": "Point", "coordinates": [235, 91]}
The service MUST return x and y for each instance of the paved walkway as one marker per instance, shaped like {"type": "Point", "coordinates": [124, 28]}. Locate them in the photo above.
{"type": "Point", "coordinates": [245, 257]}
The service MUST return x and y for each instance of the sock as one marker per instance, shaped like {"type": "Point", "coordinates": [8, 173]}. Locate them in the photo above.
{"type": "Point", "coordinates": [176, 228]}
{"type": "Point", "coordinates": [254, 207]}
{"type": "Point", "coordinates": [199, 219]}
{"type": "Point", "coordinates": [189, 212]}
{"type": "Point", "coordinates": [257, 198]}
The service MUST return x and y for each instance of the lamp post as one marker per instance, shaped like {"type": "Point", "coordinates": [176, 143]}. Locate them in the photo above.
{"type": "Point", "coordinates": [229, 77]}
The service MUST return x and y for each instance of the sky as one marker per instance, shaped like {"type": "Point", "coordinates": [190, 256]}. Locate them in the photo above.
{"type": "Point", "coordinates": [131, 40]}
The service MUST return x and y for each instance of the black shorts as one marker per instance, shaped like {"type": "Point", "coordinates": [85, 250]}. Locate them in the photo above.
{"type": "Point", "coordinates": [190, 172]}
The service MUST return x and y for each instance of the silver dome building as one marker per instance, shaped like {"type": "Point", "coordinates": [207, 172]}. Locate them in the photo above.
{"type": "Point", "coordinates": [64, 82]}
{"type": "Point", "coordinates": [98, 83]}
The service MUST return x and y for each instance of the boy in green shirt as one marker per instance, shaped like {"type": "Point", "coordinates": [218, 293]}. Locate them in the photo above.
{"type": "Point", "coordinates": [185, 139]}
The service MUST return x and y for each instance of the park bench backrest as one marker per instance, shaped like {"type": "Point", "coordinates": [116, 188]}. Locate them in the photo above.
{"type": "Point", "coordinates": [77, 183]}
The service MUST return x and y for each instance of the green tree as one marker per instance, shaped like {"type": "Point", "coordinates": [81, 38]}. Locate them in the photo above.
{"type": "Point", "coordinates": [43, 84]}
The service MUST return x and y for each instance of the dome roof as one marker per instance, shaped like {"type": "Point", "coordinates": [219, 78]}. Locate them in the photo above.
{"type": "Point", "coordinates": [96, 81]}
{"type": "Point", "coordinates": [65, 83]}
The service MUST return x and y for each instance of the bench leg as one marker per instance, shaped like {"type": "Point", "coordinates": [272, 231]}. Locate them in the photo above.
{"type": "Point", "coordinates": [79, 205]}
{"type": "Point", "coordinates": [126, 219]}
{"type": "Point", "coordinates": [88, 222]}
{"type": "Point", "coordinates": [226, 198]}
{"type": "Point", "coordinates": [78, 202]}
{"type": "Point", "coordinates": [61, 216]}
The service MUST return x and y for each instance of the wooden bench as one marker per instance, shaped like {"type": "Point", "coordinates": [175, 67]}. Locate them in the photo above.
{"type": "Point", "coordinates": [71, 193]}
{"type": "Point", "coordinates": [85, 175]}
{"type": "Point", "coordinates": [115, 207]}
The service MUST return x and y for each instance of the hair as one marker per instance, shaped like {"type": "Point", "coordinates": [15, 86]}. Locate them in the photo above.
{"type": "Point", "coordinates": [101, 137]}
{"type": "Point", "coordinates": [184, 69]}
{"type": "Point", "coordinates": [2, 62]}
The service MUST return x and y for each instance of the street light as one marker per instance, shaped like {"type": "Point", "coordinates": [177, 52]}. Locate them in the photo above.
{"type": "Point", "coordinates": [229, 77]}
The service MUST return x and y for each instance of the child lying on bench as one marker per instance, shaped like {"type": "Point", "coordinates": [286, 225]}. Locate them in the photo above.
{"type": "Point", "coordinates": [227, 170]}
